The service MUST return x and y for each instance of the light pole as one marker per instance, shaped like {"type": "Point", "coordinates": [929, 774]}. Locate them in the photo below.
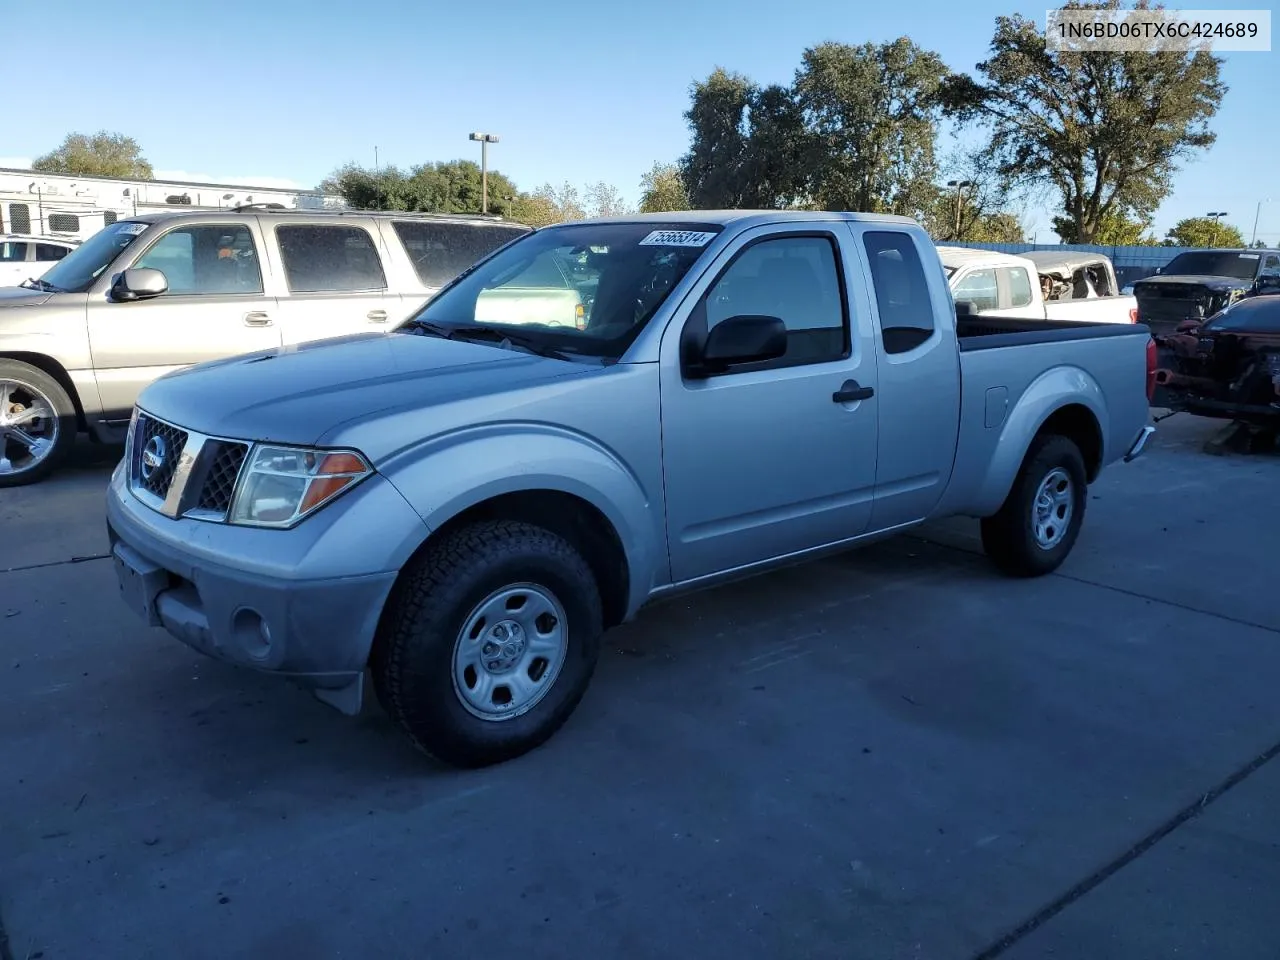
{"type": "Point", "coordinates": [1256, 215]}
{"type": "Point", "coordinates": [485, 139]}
{"type": "Point", "coordinates": [959, 185]}
{"type": "Point", "coordinates": [1216, 217]}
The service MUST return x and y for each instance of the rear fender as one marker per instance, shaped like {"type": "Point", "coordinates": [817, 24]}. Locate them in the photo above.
{"type": "Point", "coordinates": [453, 472]}
{"type": "Point", "coordinates": [1052, 391]}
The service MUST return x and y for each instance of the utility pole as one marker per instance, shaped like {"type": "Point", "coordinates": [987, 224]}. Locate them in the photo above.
{"type": "Point", "coordinates": [1216, 218]}
{"type": "Point", "coordinates": [1254, 239]}
{"type": "Point", "coordinates": [485, 139]}
{"type": "Point", "coordinates": [959, 185]}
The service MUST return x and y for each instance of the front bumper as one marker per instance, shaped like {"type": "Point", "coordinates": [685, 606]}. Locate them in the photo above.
{"type": "Point", "coordinates": [303, 603]}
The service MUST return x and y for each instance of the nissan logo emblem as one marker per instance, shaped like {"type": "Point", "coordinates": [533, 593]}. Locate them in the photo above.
{"type": "Point", "coordinates": [153, 456]}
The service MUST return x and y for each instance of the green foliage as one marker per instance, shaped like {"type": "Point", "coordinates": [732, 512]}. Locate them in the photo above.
{"type": "Point", "coordinates": [856, 131]}
{"type": "Point", "coordinates": [1204, 232]}
{"type": "Point", "coordinates": [1115, 228]}
{"type": "Point", "coordinates": [102, 154]}
{"type": "Point", "coordinates": [450, 187]}
{"type": "Point", "coordinates": [662, 189]}
{"type": "Point", "coordinates": [1106, 130]}
{"type": "Point", "coordinates": [975, 212]}
{"type": "Point", "coordinates": [872, 122]}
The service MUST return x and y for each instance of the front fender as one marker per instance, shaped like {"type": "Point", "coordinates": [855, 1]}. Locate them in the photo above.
{"type": "Point", "coordinates": [452, 472]}
{"type": "Point", "coordinates": [1054, 389]}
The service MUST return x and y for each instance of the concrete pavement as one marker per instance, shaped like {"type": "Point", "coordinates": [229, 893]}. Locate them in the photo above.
{"type": "Point", "coordinates": [895, 753]}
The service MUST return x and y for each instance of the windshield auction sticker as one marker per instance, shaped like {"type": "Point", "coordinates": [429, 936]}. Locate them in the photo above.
{"type": "Point", "coordinates": [1154, 31]}
{"type": "Point", "coordinates": [677, 238]}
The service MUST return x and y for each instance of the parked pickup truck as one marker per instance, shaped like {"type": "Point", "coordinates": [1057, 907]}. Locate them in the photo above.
{"type": "Point", "coordinates": [462, 508]}
{"type": "Point", "coordinates": [155, 293]}
{"type": "Point", "coordinates": [1199, 283]}
{"type": "Point", "coordinates": [1044, 283]}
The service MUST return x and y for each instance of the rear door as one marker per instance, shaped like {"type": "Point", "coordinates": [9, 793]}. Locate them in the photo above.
{"type": "Point", "coordinates": [335, 282]}
{"type": "Point", "coordinates": [918, 395]}
{"type": "Point", "coordinates": [216, 306]}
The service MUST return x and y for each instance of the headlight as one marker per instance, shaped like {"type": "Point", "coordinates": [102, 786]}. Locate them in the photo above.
{"type": "Point", "coordinates": [281, 485]}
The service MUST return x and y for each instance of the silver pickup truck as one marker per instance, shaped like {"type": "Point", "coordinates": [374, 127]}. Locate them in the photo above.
{"type": "Point", "coordinates": [463, 508]}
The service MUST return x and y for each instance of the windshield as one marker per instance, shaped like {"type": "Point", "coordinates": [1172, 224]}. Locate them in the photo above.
{"type": "Point", "coordinates": [76, 272]}
{"type": "Point", "coordinates": [1214, 263]}
{"type": "Point", "coordinates": [579, 288]}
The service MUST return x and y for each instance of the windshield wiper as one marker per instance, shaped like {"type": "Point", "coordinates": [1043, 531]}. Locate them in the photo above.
{"type": "Point", "coordinates": [34, 283]}
{"type": "Point", "coordinates": [429, 328]}
{"type": "Point", "coordinates": [484, 334]}
{"type": "Point", "coordinates": [505, 337]}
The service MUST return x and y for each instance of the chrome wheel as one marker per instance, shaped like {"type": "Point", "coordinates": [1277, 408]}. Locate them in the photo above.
{"type": "Point", "coordinates": [1052, 508]}
{"type": "Point", "coordinates": [28, 427]}
{"type": "Point", "coordinates": [509, 652]}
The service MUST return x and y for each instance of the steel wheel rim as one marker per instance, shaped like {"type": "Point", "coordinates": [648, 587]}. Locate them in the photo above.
{"type": "Point", "coordinates": [29, 427]}
{"type": "Point", "coordinates": [1052, 508]}
{"type": "Point", "coordinates": [509, 652]}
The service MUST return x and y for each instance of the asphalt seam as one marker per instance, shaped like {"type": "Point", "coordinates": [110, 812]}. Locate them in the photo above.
{"type": "Point", "coordinates": [1240, 621]}
{"type": "Point", "coordinates": [55, 563]}
{"type": "Point", "coordinates": [1100, 876]}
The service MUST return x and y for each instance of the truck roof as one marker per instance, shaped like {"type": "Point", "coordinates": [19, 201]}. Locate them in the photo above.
{"type": "Point", "coordinates": [746, 218]}
{"type": "Point", "coordinates": [1070, 261]}
{"type": "Point", "coordinates": [165, 216]}
{"type": "Point", "coordinates": [956, 257]}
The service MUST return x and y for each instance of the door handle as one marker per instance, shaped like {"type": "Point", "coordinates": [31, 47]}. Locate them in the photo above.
{"type": "Point", "coordinates": [377, 316]}
{"type": "Point", "coordinates": [851, 392]}
{"type": "Point", "coordinates": [257, 319]}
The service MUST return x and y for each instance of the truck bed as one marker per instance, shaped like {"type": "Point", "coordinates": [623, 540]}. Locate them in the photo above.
{"type": "Point", "coordinates": [989, 333]}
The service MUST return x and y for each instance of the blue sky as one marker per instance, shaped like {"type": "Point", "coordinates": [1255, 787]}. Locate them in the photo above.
{"type": "Point", "coordinates": [285, 90]}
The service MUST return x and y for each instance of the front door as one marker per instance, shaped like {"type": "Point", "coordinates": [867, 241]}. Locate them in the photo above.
{"type": "Point", "coordinates": [335, 281]}
{"type": "Point", "coordinates": [215, 307]}
{"type": "Point", "coordinates": [765, 461]}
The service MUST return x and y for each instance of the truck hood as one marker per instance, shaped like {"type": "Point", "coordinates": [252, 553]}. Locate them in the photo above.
{"type": "Point", "coordinates": [22, 297]}
{"type": "Point", "coordinates": [1208, 282]}
{"type": "Point", "coordinates": [296, 394]}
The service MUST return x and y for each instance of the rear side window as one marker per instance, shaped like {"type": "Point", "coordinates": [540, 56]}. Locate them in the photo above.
{"type": "Point", "coordinates": [1019, 287]}
{"type": "Point", "coordinates": [47, 251]}
{"type": "Point", "coordinates": [330, 259]}
{"type": "Point", "coordinates": [441, 251]}
{"type": "Point", "coordinates": [902, 292]}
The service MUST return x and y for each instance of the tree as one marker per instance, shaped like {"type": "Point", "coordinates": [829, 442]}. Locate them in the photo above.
{"type": "Point", "coordinates": [1107, 130]}
{"type": "Point", "coordinates": [452, 186]}
{"type": "Point", "coordinates": [856, 131]}
{"type": "Point", "coordinates": [102, 154]}
{"type": "Point", "coordinates": [872, 115]}
{"type": "Point", "coordinates": [1115, 228]}
{"type": "Point", "coordinates": [717, 118]}
{"type": "Point", "coordinates": [974, 211]}
{"type": "Point", "coordinates": [604, 200]}
{"type": "Point", "coordinates": [662, 189]}
{"type": "Point", "coordinates": [1204, 232]}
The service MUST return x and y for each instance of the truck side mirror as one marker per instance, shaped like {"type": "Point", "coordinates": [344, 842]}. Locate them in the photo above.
{"type": "Point", "coordinates": [746, 338]}
{"type": "Point", "coordinates": [140, 283]}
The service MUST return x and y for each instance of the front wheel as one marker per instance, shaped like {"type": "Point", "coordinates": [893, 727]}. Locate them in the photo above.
{"type": "Point", "coordinates": [488, 642]}
{"type": "Point", "coordinates": [37, 424]}
{"type": "Point", "coordinates": [1040, 519]}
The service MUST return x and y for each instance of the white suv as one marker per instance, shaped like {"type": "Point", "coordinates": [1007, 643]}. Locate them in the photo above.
{"type": "Point", "coordinates": [23, 257]}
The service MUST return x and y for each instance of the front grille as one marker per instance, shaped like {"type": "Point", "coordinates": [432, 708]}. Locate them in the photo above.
{"type": "Point", "coordinates": [157, 447]}
{"type": "Point", "coordinates": [224, 459]}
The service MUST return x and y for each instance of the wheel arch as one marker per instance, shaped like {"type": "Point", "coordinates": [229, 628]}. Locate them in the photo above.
{"type": "Point", "coordinates": [48, 365]}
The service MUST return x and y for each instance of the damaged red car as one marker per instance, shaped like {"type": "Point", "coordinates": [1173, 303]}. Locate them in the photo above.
{"type": "Point", "coordinates": [1227, 366]}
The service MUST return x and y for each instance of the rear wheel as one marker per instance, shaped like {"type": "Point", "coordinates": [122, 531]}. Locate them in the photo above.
{"type": "Point", "coordinates": [488, 642]}
{"type": "Point", "coordinates": [37, 424]}
{"type": "Point", "coordinates": [1039, 522]}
